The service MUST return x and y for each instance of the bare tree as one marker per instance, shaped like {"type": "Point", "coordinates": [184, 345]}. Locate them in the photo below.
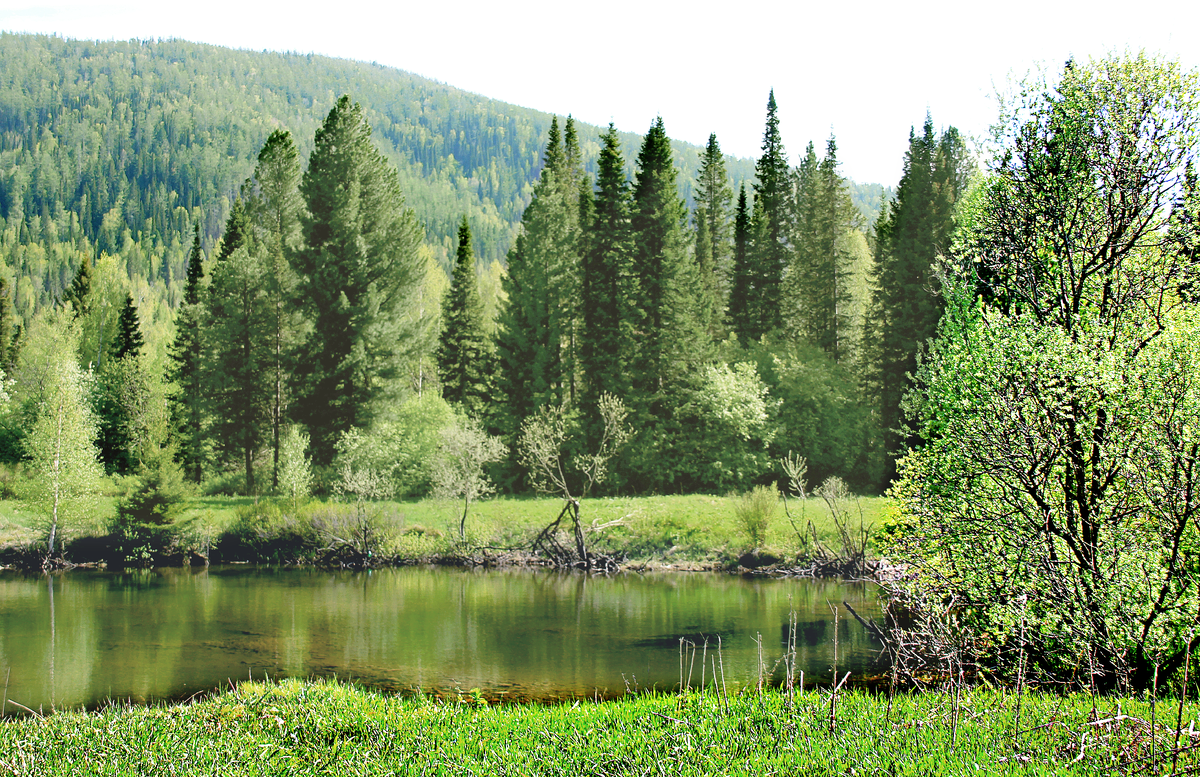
{"type": "Point", "coordinates": [543, 451]}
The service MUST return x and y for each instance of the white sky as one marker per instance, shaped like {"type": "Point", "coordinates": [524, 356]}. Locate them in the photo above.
{"type": "Point", "coordinates": [867, 71]}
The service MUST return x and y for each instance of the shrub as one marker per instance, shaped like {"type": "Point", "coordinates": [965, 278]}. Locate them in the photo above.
{"type": "Point", "coordinates": [755, 511]}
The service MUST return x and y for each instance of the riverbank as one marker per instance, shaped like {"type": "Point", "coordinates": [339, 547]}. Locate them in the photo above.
{"type": "Point", "coordinates": [311, 728]}
{"type": "Point", "coordinates": [692, 532]}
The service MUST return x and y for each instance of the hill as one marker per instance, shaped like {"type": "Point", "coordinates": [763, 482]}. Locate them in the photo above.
{"type": "Point", "coordinates": [119, 147]}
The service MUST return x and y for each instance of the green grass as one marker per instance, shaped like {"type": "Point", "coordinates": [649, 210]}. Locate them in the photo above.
{"type": "Point", "coordinates": [311, 728]}
{"type": "Point", "coordinates": [671, 530]}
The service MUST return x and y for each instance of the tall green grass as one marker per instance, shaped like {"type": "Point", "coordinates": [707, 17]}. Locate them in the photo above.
{"type": "Point", "coordinates": [319, 728]}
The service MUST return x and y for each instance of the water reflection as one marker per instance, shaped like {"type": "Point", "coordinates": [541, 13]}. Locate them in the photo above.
{"type": "Point", "coordinates": [84, 637]}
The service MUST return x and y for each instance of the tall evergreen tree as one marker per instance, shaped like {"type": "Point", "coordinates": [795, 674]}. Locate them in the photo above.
{"type": "Point", "coordinates": [188, 404]}
{"type": "Point", "coordinates": [818, 298]}
{"type": "Point", "coordinates": [121, 397]}
{"type": "Point", "coordinates": [742, 285]}
{"type": "Point", "coordinates": [358, 267]}
{"type": "Point", "coordinates": [77, 295]}
{"type": "Point", "coordinates": [273, 205]}
{"type": "Point", "coordinates": [238, 348]}
{"type": "Point", "coordinates": [769, 252]}
{"type": "Point", "coordinates": [537, 336]}
{"type": "Point", "coordinates": [607, 293]}
{"type": "Point", "coordinates": [906, 306]}
{"type": "Point", "coordinates": [462, 353]}
{"type": "Point", "coordinates": [664, 310]}
{"type": "Point", "coordinates": [128, 341]}
{"type": "Point", "coordinates": [714, 239]}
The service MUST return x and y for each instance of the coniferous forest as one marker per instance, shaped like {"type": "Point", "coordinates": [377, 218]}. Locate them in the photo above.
{"type": "Point", "coordinates": [238, 247]}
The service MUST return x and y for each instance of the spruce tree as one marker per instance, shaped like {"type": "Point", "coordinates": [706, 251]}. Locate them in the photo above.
{"type": "Point", "coordinates": [273, 205]}
{"type": "Point", "coordinates": [537, 338]}
{"type": "Point", "coordinates": [608, 292]}
{"type": "Point", "coordinates": [768, 252]}
{"type": "Point", "coordinates": [188, 403]}
{"type": "Point", "coordinates": [664, 307]}
{"type": "Point", "coordinates": [358, 266]}
{"type": "Point", "coordinates": [817, 292]}
{"type": "Point", "coordinates": [742, 285]}
{"type": "Point", "coordinates": [121, 397]}
{"type": "Point", "coordinates": [128, 341]}
{"type": "Point", "coordinates": [79, 293]}
{"type": "Point", "coordinates": [237, 346]}
{"type": "Point", "coordinates": [714, 243]}
{"type": "Point", "coordinates": [462, 352]}
{"type": "Point", "coordinates": [905, 306]}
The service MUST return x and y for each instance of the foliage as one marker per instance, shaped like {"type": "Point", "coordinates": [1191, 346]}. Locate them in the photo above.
{"type": "Point", "coordinates": [756, 511]}
{"type": "Point", "coordinates": [59, 446]}
{"type": "Point", "coordinates": [910, 239]}
{"type": "Point", "coordinates": [398, 451]}
{"type": "Point", "coordinates": [725, 428]}
{"type": "Point", "coordinates": [295, 467]}
{"type": "Point", "coordinates": [1056, 495]}
{"type": "Point", "coordinates": [359, 269]}
{"type": "Point", "coordinates": [458, 469]}
{"type": "Point", "coordinates": [463, 355]}
{"type": "Point", "coordinates": [145, 519]}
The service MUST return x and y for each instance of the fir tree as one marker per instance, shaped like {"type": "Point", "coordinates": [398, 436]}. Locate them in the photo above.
{"type": "Point", "coordinates": [818, 299]}
{"type": "Point", "coordinates": [129, 340]}
{"type": "Point", "coordinates": [742, 285]}
{"type": "Point", "coordinates": [768, 252]}
{"type": "Point", "coordinates": [607, 293]}
{"type": "Point", "coordinates": [664, 305]}
{"type": "Point", "coordinates": [714, 244]}
{"type": "Point", "coordinates": [462, 352]}
{"type": "Point", "coordinates": [359, 266]}
{"type": "Point", "coordinates": [537, 335]}
{"type": "Point", "coordinates": [273, 206]}
{"type": "Point", "coordinates": [189, 416]}
{"type": "Point", "coordinates": [905, 306]}
{"type": "Point", "coordinates": [9, 333]}
{"type": "Point", "coordinates": [237, 345]}
{"type": "Point", "coordinates": [78, 295]}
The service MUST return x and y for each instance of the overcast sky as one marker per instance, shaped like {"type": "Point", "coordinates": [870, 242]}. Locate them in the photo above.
{"type": "Point", "coordinates": [864, 71]}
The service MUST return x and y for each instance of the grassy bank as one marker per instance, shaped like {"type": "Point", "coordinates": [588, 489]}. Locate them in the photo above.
{"type": "Point", "coordinates": [669, 530]}
{"type": "Point", "coordinates": [301, 728]}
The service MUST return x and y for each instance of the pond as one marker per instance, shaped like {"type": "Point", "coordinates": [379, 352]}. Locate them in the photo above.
{"type": "Point", "coordinates": [82, 638]}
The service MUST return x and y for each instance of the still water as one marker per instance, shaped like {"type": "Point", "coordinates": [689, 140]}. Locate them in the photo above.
{"type": "Point", "coordinates": [82, 638]}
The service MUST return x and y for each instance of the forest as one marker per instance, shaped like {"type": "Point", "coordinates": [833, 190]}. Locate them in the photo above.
{"type": "Point", "coordinates": [130, 177]}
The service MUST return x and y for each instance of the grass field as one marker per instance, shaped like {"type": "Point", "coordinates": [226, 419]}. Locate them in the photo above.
{"type": "Point", "coordinates": [692, 529]}
{"type": "Point", "coordinates": [326, 728]}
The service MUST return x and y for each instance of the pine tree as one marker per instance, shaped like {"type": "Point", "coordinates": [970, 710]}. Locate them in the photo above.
{"type": "Point", "coordinates": [237, 347]}
{"type": "Point", "coordinates": [905, 307]}
{"type": "Point", "coordinates": [462, 354]}
{"type": "Point", "coordinates": [121, 397]}
{"type": "Point", "coordinates": [273, 205]}
{"type": "Point", "coordinates": [189, 416]}
{"type": "Point", "coordinates": [714, 244]}
{"type": "Point", "coordinates": [359, 266]}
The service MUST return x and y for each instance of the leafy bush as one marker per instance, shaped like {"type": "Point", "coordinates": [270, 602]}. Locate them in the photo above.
{"type": "Point", "coordinates": [144, 524]}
